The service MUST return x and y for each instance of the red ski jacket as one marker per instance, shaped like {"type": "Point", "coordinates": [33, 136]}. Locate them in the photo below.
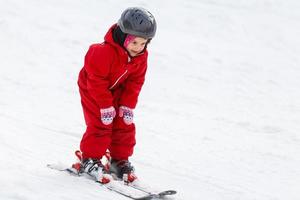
{"type": "Point", "coordinates": [108, 69]}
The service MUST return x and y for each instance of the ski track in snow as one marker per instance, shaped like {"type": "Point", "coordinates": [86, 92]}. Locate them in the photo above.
{"type": "Point", "coordinates": [218, 117]}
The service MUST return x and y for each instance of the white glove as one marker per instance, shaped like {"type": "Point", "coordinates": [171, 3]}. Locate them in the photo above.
{"type": "Point", "coordinates": [107, 115]}
{"type": "Point", "coordinates": [127, 114]}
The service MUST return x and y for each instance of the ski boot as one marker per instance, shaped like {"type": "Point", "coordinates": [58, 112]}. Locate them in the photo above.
{"type": "Point", "coordinates": [123, 170]}
{"type": "Point", "coordinates": [92, 167]}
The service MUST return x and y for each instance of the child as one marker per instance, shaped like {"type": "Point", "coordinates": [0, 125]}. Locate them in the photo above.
{"type": "Point", "coordinates": [109, 84]}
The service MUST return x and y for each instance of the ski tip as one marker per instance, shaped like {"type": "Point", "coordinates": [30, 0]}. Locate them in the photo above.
{"type": "Point", "coordinates": [168, 192]}
{"type": "Point", "coordinates": [160, 195]}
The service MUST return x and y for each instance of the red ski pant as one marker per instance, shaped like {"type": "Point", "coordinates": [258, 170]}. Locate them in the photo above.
{"type": "Point", "coordinates": [117, 137]}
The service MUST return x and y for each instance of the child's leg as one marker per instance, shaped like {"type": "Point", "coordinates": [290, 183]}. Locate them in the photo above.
{"type": "Point", "coordinates": [95, 142]}
{"type": "Point", "coordinates": [97, 136]}
{"type": "Point", "coordinates": [123, 139]}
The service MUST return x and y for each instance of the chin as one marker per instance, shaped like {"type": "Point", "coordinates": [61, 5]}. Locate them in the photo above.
{"type": "Point", "coordinates": [133, 54]}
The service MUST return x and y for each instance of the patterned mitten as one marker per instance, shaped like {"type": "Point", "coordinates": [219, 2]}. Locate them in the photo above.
{"type": "Point", "coordinates": [107, 115]}
{"type": "Point", "coordinates": [127, 114]}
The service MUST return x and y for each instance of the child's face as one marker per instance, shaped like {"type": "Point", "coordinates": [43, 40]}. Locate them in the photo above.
{"type": "Point", "coordinates": [136, 46]}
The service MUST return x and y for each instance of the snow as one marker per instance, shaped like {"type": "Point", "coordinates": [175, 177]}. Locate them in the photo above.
{"type": "Point", "coordinates": [218, 117]}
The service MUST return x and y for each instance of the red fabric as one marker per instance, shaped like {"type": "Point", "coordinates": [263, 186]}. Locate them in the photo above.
{"type": "Point", "coordinates": [109, 77]}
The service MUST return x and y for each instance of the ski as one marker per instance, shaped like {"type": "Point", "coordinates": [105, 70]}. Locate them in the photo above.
{"type": "Point", "coordinates": [119, 187]}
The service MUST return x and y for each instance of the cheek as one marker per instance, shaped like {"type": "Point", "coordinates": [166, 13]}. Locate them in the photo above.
{"type": "Point", "coordinates": [143, 46]}
{"type": "Point", "coordinates": [128, 48]}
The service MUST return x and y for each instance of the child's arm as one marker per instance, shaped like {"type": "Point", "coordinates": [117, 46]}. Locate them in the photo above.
{"type": "Point", "coordinates": [97, 64]}
{"type": "Point", "coordinates": [133, 87]}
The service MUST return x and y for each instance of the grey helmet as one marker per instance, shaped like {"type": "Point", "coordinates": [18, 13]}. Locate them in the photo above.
{"type": "Point", "coordinates": [139, 22]}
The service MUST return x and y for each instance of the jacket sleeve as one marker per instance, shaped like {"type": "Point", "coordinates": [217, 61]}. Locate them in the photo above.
{"type": "Point", "coordinates": [133, 87]}
{"type": "Point", "coordinates": [97, 64]}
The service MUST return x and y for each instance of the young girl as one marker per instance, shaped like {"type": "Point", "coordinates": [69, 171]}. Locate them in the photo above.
{"type": "Point", "coordinates": [109, 84]}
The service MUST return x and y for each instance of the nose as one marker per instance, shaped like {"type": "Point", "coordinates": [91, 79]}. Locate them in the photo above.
{"type": "Point", "coordinates": [137, 49]}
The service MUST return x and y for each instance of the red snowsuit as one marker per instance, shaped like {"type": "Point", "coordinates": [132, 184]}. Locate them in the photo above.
{"type": "Point", "coordinates": [109, 77]}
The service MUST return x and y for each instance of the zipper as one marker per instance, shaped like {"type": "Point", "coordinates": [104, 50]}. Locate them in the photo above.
{"type": "Point", "coordinates": [118, 79]}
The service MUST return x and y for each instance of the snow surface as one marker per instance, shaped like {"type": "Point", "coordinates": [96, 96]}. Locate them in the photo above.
{"type": "Point", "coordinates": [218, 117]}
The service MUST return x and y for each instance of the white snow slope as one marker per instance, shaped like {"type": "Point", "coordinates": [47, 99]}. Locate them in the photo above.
{"type": "Point", "coordinates": [218, 117]}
